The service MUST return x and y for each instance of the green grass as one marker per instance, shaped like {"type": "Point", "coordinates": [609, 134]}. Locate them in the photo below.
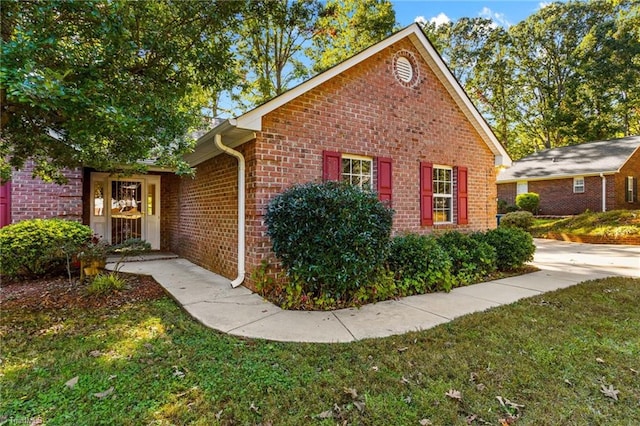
{"type": "Point", "coordinates": [551, 353]}
{"type": "Point", "coordinates": [614, 223]}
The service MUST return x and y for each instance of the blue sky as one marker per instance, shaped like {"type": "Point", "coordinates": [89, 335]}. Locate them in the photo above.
{"type": "Point", "coordinates": [505, 12]}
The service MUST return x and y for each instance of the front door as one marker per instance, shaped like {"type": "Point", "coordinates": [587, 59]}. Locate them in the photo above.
{"type": "Point", "coordinates": [125, 208]}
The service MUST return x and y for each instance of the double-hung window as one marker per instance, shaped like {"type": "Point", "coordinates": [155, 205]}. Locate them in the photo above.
{"type": "Point", "coordinates": [442, 194]}
{"type": "Point", "coordinates": [578, 185]}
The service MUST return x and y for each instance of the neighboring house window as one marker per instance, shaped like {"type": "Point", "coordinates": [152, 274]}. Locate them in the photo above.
{"type": "Point", "coordinates": [437, 194]}
{"type": "Point", "coordinates": [578, 185]}
{"type": "Point", "coordinates": [522, 187]}
{"type": "Point", "coordinates": [359, 171]}
{"type": "Point", "coordinates": [631, 189]}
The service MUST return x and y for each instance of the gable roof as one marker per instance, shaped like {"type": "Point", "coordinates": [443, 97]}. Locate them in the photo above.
{"type": "Point", "coordinates": [241, 129]}
{"type": "Point", "coordinates": [591, 158]}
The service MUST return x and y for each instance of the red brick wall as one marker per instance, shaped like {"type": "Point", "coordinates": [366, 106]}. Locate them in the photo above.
{"type": "Point", "coordinates": [363, 111]}
{"type": "Point", "coordinates": [35, 199]}
{"type": "Point", "coordinates": [631, 168]}
{"type": "Point", "coordinates": [200, 215]}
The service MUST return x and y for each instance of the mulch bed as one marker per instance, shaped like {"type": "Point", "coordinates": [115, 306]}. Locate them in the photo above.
{"type": "Point", "coordinates": [51, 293]}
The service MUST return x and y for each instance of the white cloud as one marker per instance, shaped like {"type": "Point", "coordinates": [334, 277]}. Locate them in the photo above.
{"type": "Point", "coordinates": [543, 4]}
{"type": "Point", "coordinates": [498, 18]}
{"type": "Point", "coordinates": [440, 19]}
{"type": "Point", "coordinates": [420, 20]}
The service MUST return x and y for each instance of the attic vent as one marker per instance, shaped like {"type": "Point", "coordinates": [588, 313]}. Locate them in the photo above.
{"type": "Point", "coordinates": [405, 68]}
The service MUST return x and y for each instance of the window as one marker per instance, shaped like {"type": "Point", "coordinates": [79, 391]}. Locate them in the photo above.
{"type": "Point", "coordinates": [631, 189]}
{"type": "Point", "coordinates": [442, 194]}
{"type": "Point", "coordinates": [522, 187]}
{"type": "Point", "coordinates": [357, 171]}
{"type": "Point", "coordinates": [578, 185]}
{"type": "Point", "coordinates": [437, 186]}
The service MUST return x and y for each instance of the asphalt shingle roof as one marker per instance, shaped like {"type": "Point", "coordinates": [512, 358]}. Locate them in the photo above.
{"type": "Point", "coordinates": [585, 159]}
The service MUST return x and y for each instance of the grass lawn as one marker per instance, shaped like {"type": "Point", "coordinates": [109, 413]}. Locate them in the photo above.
{"type": "Point", "coordinates": [615, 223]}
{"type": "Point", "coordinates": [551, 359]}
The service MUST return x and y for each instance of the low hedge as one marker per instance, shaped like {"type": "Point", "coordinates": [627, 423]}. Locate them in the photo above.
{"type": "Point", "coordinates": [471, 257]}
{"type": "Point", "coordinates": [513, 246]}
{"type": "Point", "coordinates": [419, 265]}
{"type": "Point", "coordinates": [37, 247]}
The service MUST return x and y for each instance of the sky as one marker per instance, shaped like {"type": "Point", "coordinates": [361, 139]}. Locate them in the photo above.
{"type": "Point", "coordinates": [503, 12]}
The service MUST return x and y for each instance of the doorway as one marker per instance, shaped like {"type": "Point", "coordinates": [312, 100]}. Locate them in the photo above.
{"type": "Point", "coordinates": [125, 208]}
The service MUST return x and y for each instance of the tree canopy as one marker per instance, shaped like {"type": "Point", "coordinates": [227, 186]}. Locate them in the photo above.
{"type": "Point", "coordinates": [568, 74]}
{"type": "Point", "coordinates": [107, 83]}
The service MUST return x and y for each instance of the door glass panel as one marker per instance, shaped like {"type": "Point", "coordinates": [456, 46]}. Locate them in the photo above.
{"type": "Point", "coordinates": [126, 215]}
{"type": "Point", "coordinates": [98, 199]}
{"type": "Point", "coordinates": [151, 199]}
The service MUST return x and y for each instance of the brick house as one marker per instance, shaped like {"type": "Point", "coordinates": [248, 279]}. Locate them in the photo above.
{"type": "Point", "coordinates": [598, 176]}
{"type": "Point", "coordinates": [392, 119]}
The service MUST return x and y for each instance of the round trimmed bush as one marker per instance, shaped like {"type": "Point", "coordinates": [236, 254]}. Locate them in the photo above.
{"type": "Point", "coordinates": [513, 246]}
{"type": "Point", "coordinates": [521, 219]}
{"type": "Point", "coordinates": [471, 257]}
{"type": "Point", "coordinates": [35, 247]}
{"type": "Point", "coordinates": [331, 237]}
{"type": "Point", "coordinates": [419, 264]}
{"type": "Point", "coordinates": [529, 201]}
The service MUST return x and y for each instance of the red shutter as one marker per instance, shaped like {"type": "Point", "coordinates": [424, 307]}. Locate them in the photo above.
{"type": "Point", "coordinates": [331, 165]}
{"type": "Point", "coordinates": [5, 204]}
{"type": "Point", "coordinates": [426, 194]}
{"type": "Point", "coordinates": [463, 210]}
{"type": "Point", "coordinates": [384, 180]}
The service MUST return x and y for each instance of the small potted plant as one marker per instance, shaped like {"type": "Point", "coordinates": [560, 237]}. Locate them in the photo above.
{"type": "Point", "coordinates": [93, 256]}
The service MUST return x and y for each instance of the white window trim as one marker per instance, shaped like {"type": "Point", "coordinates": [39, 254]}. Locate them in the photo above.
{"type": "Point", "coordinates": [578, 189]}
{"type": "Point", "coordinates": [630, 195]}
{"type": "Point", "coordinates": [362, 158]}
{"type": "Point", "coordinates": [438, 195]}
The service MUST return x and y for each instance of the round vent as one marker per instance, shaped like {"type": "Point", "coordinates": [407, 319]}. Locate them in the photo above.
{"type": "Point", "coordinates": [405, 69]}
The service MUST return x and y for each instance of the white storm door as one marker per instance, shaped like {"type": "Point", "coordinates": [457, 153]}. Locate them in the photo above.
{"type": "Point", "coordinates": [99, 207]}
{"type": "Point", "coordinates": [152, 213]}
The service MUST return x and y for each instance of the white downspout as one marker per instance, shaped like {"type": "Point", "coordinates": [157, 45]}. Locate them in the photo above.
{"type": "Point", "coordinates": [604, 192]}
{"type": "Point", "coordinates": [241, 207]}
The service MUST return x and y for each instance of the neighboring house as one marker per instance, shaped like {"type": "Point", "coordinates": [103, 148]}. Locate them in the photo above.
{"type": "Point", "coordinates": [598, 176]}
{"type": "Point", "coordinates": [391, 119]}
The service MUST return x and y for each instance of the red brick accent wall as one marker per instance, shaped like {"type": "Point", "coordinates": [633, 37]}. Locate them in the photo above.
{"type": "Point", "coordinates": [631, 168]}
{"type": "Point", "coordinates": [364, 111]}
{"type": "Point", "coordinates": [35, 199]}
{"type": "Point", "coordinates": [200, 215]}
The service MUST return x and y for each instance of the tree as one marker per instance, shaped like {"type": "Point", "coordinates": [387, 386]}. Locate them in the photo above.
{"type": "Point", "coordinates": [346, 27]}
{"type": "Point", "coordinates": [107, 83]}
{"type": "Point", "coordinates": [270, 47]}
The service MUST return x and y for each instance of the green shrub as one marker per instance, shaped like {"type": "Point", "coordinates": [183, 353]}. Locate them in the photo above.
{"type": "Point", "coordinates": [529, 201]}
{"type": "Point", "coordinates": [331, 237]}
{"type": "Point", "coordinates": [471, 257]}
{"type": "Point", "coordinates": [521, 219]}
{"type": "Point", "coordinates": [104, 284]}
{"type": "Point", "coordinates": [35, 247]}
{"type": "Point", "coordinates": [513, 246]}
{"type": "Point", "coordinates": [419, 264]}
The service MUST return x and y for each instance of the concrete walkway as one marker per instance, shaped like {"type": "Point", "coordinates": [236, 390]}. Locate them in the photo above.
{"type": "Point", "coordinates": [210, 299]}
